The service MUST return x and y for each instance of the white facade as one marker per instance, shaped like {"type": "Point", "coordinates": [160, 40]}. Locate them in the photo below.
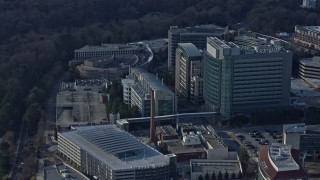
{"type": "Point", "coordinates": [281, 159]}
{"type": "Point", "coordinates": [188, 73]}
{"type": "Point", "coordinates": [109, 153]}
{"type": "Point", "coordinates": [127, 84]}
{"type": "Point", "coordinates": [201, 167]}
{"type": "Point", "coordinates": [191, 139]}
{"type": "Point", "coordinates": [165, 99]}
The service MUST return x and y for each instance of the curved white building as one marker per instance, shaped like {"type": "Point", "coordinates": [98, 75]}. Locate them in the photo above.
{"type": "Point", "coordinates": [280, 161]}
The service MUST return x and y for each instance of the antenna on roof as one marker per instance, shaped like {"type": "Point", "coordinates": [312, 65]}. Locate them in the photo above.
{"type": "Point", "coordinates": [144, 153]}
{"type": "Point", "coordinates": [162, 81]}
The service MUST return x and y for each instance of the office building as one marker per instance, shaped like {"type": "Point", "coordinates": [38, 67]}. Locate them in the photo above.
{"type": "Point", "coordinates": [127, 84]}
{"type": "Point", "coordinates": [304, 138]}
{"type": "Point", "coordinates": [279, 161]}
{"type": "Point", "coordinates": [307, 36]}
{"type": "Point", "coordinates": [196, 35]}
{"type": "Point", "coordinates": [309, 4]}
{"type": "Point", "coordinates": [108, 153]}
{"type": "Point", "coordinates": [165, 99]}
{"type": "Point", "coordinates": [246, 75]}
{"type": "Point", "coordinates": [188, 73]}
{"type": "Point", "coordinates": [105, 50]}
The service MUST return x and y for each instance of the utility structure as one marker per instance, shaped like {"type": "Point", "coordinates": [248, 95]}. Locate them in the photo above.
{"type": "Point", "coordinates": [152, 124]}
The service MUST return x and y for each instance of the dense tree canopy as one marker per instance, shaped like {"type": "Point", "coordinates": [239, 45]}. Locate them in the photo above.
{"type": "Point", "coordinates": [38, 37]}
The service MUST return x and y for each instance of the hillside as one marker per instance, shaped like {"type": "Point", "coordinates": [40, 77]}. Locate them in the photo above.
{"type": "Point", "coordinates": [37, 38]}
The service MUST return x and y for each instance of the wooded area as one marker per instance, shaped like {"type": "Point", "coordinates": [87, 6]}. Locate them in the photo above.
{"type": "Point", "coordinates": [38, 37]}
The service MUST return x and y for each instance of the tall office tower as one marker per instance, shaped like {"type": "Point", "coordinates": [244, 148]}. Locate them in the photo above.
{"type": "Point", "coordinates": [188, 73]}
{"type": "Point", "coordinates": [247, 75]}
{"type": "Point", "coordinates": [196, 35]}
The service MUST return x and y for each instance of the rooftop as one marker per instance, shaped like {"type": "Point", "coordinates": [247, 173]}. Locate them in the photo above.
{"type": "Point", "coordinates": [166, 130]}
{"type": "Point", "coordinates": [190, 49]}
{"type": "Point", "coordinates": [79, 107]}
{"type": "Point", "coordinates": [294, 128]}
{"type": "Point", "coordinates": [314, 61]}
{"type": "Point", "coordinates": [118, 61]}
{"type": "Point", "coordinates": [114, 147]}
{"type": "Point", "coordinates": [91, 82]}
{"type": "Point", "coordinates": [153, 81]}
{"type": "Point", "coordinates": [315, 29]}
{"type": "Point", "coordinates": [204, 165]}
{"type": "Point", "coordinates": [280, 155]}
{"type": "Point", "coordinates": [127, 81]}
{"type": "Point", "coordinates": [268, 169]}
{"type": "Point", "coordinates": [259, 45]}
{"type": "Point", "coordinates": [213, 141]}
{"type": "Point", "coordinates": [176, 147]}
{"type": "Point", "coordinates": [109, 47]}
{"type": "Point", "coordinates": [313, 129]}
{"type": "Point", "coordinates": [300, 88]}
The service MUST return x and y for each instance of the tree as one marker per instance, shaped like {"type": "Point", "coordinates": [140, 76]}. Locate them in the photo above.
{"type": "Point", "coordinates": [233, 175]}
{"type": "Point", "coordinates": [226, 175]}
{"type": "Point", "coordinates": [134, 112]}
{"type": "Point", "coordinates": [32, 116]}
{"type": "Point", "coordinates": [207, 177]}
{"type": "Point", "coordinates": [244, 156]}
{"type": "Point", "coordinates": [240, 175]}
{"type": "Point", "coordinates": [213, 176]}
{"type": "Point", "coordinates": [4, 146]}
{"type": "Point", "coordinates": [219, 175]}
{"type": "Point", "coordinates": [200, 178]}
{"type": "Point", "coordinates": [4, 164]}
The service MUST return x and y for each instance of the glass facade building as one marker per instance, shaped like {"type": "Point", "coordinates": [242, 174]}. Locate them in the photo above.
{"type": "Point", "coordinates": [240, 78]}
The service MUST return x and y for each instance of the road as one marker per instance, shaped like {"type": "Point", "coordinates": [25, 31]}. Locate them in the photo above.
{"type": "Point", "coordinates": [15, 173]}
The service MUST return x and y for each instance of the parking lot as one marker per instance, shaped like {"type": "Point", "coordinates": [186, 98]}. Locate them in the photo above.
{"type": "Point", "coordinates": [254, 138]}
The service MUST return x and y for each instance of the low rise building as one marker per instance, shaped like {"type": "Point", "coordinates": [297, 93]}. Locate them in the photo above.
{"type": "Point", "coordinates": [279, 161]}
{"type": "Point", "coordinates": [309, 68]}
{"type": "Point", "coordinates": [111, 68]}
{"type": "Point", "coordinates": [304, 138]}
{"type": "Point", "coordinates": [309, 71]}
{"type": "Point", "coordinates": [215, 169]}
{"type": "Point", "coordinates": [186, 152]}
{"type": "Point", "coordinates": [307, 36]}
{"type": "Point", "coordinates": [106, 50]}
{"type": "Point", "coordinates": [107, 152]}
{"type": "Point", "coordinates": [216, 149]}
{"type": "Point", "coordinates": [166, 133]}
